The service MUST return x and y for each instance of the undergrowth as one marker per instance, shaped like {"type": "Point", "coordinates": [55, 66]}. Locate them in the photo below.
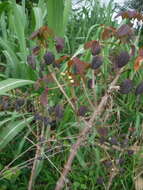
{"type": "Point", "coordinates": [70, 98]}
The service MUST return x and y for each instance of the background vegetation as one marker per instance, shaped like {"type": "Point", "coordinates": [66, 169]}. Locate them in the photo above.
{"type": "Point", "coordinates": [63, 70]}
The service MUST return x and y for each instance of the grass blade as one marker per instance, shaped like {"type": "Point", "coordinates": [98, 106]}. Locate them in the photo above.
{"type": "Point", "coordinates": [10, 84]}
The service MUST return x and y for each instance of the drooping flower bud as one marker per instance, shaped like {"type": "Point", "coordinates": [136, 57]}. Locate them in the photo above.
{"type": "Point", "coordinates": [49, 58]}
{"type": "Point", "coordinates": [82, 111]}
{"type": "Point", "coordinates": [126, 86]}
{"type": "Point", "coordinates": [139, 89]}
{"type": "Point", "coordinates": [97, 61]}
{"type": "Point", "coordinates": [59, 111]}
{"type": "Point", "coordinates": [59, 44]}
{"type": "Point", "coordinates": [122, 59]}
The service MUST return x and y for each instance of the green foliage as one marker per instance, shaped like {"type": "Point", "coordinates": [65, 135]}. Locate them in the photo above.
{"type": "Point", "coordinates": [11, 130]}
{"type": "Point", "coordinates": [43, 108]}
{"type": "Point", "coordinates": [58, 14]}
{"type": "Point", "coordinates": [10, 84]}
{"type": "Point", "coordinates": [85, 21]}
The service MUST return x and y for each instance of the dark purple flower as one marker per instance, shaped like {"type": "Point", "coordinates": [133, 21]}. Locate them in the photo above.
{"type": "Point", "coordinates": [82, 111]}
{"type": "Point", "coordinates": [59, 44]}
{"type": "Point", "coordinates": [130, 152]}
{"type": "Point", "coordinates": [126, 86]}
{"type": "Point", "coordinates": [122, 59]}
{"type": "Point", "coordinates": [100, 181]}
{"type": "Point", "coordinates": [97, 61]}
{"type": "Point", "coordinates": [139, 89]}
{"type": "Point", "coordinates": [49, 58]}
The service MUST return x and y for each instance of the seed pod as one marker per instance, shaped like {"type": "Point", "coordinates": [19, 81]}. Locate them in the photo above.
{"type": "Point", "coordinates": [139, 89]}
{"type": "Point", "coordinates": [96, 62]}
{"type": "Point", "coordinates": [122, 59]}
{"type": "Point", "coordinates": [49, 58]}
{"type": "Point", "coordinates": [126, 86]}
{"type": "Point", "coordinates": [82, 111]}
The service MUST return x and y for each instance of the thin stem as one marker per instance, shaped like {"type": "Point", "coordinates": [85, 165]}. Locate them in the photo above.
{"type": "Point", "coordinates": [86, 94]}
{"type": "Point", "coordinates": [62, 90]}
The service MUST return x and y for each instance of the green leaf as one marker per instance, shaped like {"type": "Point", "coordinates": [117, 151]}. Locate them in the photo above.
{"type": "Point", "coordinates": [10, 84]}
{"type": "Point", "coordinates": [38, 17]}
{"type": "Point", "coordinates": [11, 117]}
{"type": "Point", "coordinates": [10, 131]}
{"type": "Point", "coordinates": [12, 173]}
{"type": "Point", "coordinates": [55, 16]}
{"type": "Point", "coordinates": [67, 12]}
{"type": "Point", "coordinates": [19, 23]}
{"type": "Point", "coordinates": [4, 6]}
